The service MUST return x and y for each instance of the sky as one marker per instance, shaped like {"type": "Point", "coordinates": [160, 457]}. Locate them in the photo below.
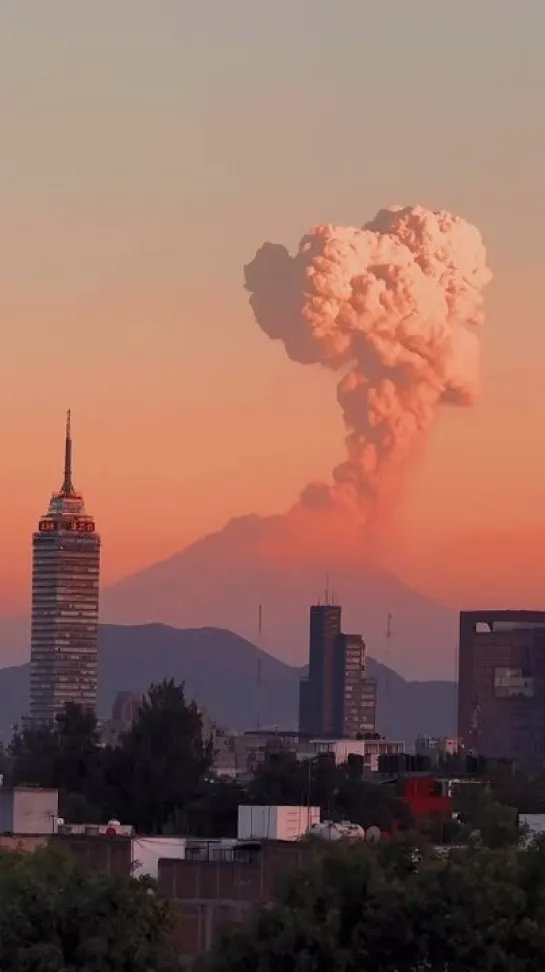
{"type": "Point", "coordinates": [148, 149]}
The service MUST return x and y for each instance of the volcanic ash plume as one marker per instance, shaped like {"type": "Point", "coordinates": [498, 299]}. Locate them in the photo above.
{"type": "Point", "coordinates": [391, 306]}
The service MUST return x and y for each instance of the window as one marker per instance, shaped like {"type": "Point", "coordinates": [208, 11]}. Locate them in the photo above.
{"type": "Point", "coordinates": [512, 683]}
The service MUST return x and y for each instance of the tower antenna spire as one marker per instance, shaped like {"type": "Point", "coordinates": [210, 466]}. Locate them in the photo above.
{"type": "Point", "coordinates": [67, 486]}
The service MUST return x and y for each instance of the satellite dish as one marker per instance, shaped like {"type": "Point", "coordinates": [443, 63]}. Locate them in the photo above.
{"type": "Point", "coordinates": [60, 821]}
{"type": "Point", "coordinates": [373, 835]}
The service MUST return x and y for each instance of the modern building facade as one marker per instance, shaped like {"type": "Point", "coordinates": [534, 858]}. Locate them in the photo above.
{"type": "Point", "coordinates": [501, 686]}
{"type": "Point", "coordinates": [369, 751]}
{"type": "Point", "coordinates": [65, 596]}
{"type": "Point", "coordinates": [336, 701]}
{"type": "Point", "coordinates": [316, 694]}
{"type": "Point", "coordinates": [348, 685]}
{"type": "Point", "coordinates": [369, 695]}
{"type": "Point", "coordinates": [436, 748]}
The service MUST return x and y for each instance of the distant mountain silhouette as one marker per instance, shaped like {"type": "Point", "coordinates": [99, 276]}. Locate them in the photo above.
{"type": "Point", "coordinates": [282, 563]}
{"type": "Point", "coordinates": [220, 671]}
{"type": "Point", "coordinates": [221, 579]}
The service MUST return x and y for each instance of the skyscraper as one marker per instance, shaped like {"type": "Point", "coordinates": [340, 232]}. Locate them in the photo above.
{"type": "Point", "coordinates": [369, 694]}
{"type": "Point", "coordinates": [349, 653]}
{"type": "Point", "coordinates": [316, 699]}
{"type": "Point", "coordinates": [501, 685]}
{"type": "Point", "coordinates": [335, 700]}
{"type": "Point", "coordinates": [65, 593]}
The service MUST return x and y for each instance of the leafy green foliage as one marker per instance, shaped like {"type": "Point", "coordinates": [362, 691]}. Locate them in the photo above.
{"type": "Point", "coordinates": [158, 766]}
{"type": "Point", "coordinates": [213, 811]}
{"type": "Point", "coordinates": [148, 779]}
{"type": "Point", "coordinates": [403, 908]}
{"type": "Point", "coordinates": [67, 756]}
{"type": "Point", "coordinates": [338, 790]}
{"type": "Point", "coordinates": [54, 917]}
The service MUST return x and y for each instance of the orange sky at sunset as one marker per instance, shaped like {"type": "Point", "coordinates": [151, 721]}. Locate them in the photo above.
{"type": "Point", "coordinates": [147, 153]}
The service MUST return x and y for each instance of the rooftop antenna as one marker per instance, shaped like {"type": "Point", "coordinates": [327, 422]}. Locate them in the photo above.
{"type": "Point", "coordinates": [67, 487]}
{"type": "Point", "coordinates": [258, 672]}
{"type": "Point", "coordinates": [327, 595]}
{"type": "Point", "coordinates": [389, 634]}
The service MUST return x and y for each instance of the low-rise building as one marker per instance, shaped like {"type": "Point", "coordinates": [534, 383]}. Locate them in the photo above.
{"type": "Point", "coordinates": [28, 810]}
{"type": "Point", "coordinates": [240, 754]}
{"type": "Point", "coordinates": [436, 748]}
{"type": "Point", "coordinates": [211, 894]}
{"type": "Point", "coordinates": [368, 750]}
{"type": "Point", "coordinates": [275, 823]}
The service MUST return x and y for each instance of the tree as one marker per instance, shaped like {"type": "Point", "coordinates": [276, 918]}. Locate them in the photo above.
{"type": "Point", "coordinates": [32, 754]}
{"type": "Point", "coordinates": [160, 762]}
{"type": "Point", "coordinates": [67, 756]}
{"type": "Point", "coordinates": [340, 794]}
{"type": "Point", "coordinates": [213, 811]}
{"type": "Point", "coordinates": [496, 824]}
{"type": "Point", "coordinates": [401, 908]}
{"type": "Point", "coordinates": [55, 917]}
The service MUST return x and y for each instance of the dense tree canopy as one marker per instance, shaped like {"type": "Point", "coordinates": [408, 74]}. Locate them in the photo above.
{"type": "Point", "coordinates": [339, 791]}
{"type": "Point", "coordinates": [157, 769]}
{"type": "Point", "coordinates": [148, 779]}
{"type": "Point", "coordinates": [54, 917]}
{"type": "Point", "coordinates": [400, 909]}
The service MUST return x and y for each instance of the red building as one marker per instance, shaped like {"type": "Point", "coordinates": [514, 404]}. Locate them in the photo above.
{"type": "Point", "coordinates": [426, 797]}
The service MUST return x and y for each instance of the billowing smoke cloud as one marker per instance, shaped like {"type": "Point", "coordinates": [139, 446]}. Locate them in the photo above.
{"type": "Point", "coordinates": [392, 307]}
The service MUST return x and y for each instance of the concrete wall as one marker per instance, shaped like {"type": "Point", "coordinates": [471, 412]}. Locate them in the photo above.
{"type": "Point", "coordinates": [211, 896]}
{"type": "Point", "coordinates": [35, 811]}
{"type": "Point", "coordinates": [148, 851]}
{"type": "Point", "coordinates": [23, 844]}
{"type": "Point", "coordinates": [252, 881]}
{"type": "Point", "coordinates": [107, 855]}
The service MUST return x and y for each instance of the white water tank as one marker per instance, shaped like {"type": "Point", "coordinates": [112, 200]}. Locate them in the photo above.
{"type": "Point", "coordinates": [330, 830]}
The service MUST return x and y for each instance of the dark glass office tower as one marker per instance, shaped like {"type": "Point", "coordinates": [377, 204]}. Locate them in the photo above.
{"type": "Point", "coordinates": [316, 695]}
{"type": "Point", "coordinates": [501, 686]}
{"type": "Point", "coordinates": [336, 700]}
{"type": "Point", "coordinates": [65, 594]}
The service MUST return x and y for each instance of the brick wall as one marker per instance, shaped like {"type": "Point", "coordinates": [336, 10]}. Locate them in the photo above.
{"type": "Point", "coordinates": [252, 881]}
{"type": "Point", "coordinates": [213, 896]}
{"type": "Point", "coordinates": [24, 843]}
{"type": "Point", "coordinates": [105, 854]}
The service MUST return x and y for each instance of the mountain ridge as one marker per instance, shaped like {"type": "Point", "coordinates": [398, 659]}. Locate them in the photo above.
{"type": "Point", "coordinates": [220, 669]}
{"type": "Point", "coordinates": [273, 568]}
{"type": "Point", "coordinates": [221, 579]}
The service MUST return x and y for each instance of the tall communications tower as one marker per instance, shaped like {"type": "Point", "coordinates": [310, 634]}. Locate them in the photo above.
{"type": "Point", "coordinates": [65, 595]}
